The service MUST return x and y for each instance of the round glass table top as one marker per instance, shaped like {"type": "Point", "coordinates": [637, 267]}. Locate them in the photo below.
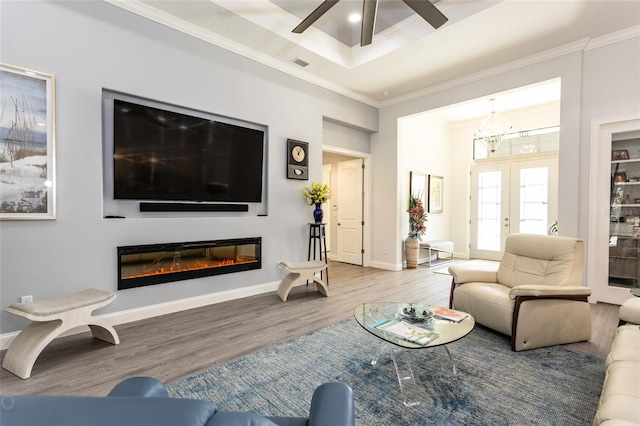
{"type": "Point", "coordinates": [376, 318]}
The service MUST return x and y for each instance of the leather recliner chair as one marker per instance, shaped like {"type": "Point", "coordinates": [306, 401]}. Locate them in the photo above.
{"type": "Point", "coordinates": [141, 401]}
{"type": "Point", "coordinates": [535, 295]}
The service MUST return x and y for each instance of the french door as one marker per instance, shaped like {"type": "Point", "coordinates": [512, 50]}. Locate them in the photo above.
{"type": "Point", "coordinates": [508, 198]}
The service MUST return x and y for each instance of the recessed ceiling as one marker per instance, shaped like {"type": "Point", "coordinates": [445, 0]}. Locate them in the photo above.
{"type": "Point", "coordinates": [335, 23]}
{"type": "Point", "coordinates": [407, 58]}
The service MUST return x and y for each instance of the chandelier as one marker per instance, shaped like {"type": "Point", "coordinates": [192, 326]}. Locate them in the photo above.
{"type": "Point", "coordinates": [493, 129]}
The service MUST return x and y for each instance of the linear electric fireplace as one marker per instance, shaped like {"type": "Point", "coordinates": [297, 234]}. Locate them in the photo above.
{"type": "Point", "coordinates": [161, 263]}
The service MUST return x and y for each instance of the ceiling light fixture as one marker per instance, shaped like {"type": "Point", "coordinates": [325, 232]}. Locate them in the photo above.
{"type": "Point", "coordinates": [355, 18]}
{"type": "Point", "coordinates": [493, 129]}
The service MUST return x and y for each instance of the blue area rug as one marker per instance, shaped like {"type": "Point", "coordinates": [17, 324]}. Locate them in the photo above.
{"type": "Point", "coordinates": [493, 385]}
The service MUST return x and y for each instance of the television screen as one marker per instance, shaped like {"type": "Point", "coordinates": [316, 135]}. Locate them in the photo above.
{"type": "Point", "coordinates": [164, 155]}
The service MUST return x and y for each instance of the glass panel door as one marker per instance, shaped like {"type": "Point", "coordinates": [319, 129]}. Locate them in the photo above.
{"type": "Point", "coordinates": [612, 233]}
{"type": "Point", "coordinates": [624, 213]}
{"type": "Point", "coordinates": [489, 210]}
{"type": "Point", "coordinates": [516, 197]}
{"type": "Point", "coordinates": [534, 200]}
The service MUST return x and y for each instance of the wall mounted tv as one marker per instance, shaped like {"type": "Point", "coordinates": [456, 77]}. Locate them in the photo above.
{"type": "Point", "coordinates": [165, 155]}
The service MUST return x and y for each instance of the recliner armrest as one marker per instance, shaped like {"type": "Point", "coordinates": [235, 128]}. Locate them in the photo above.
{"type": "Point", "coordinates": [332, 405]}
{"type": "Point", "coordinates": [630, 311]}
{"type": "Point", "coordinates": [488, 274]}
{"type": "Point", "coordinates": [542, 291]}
{"type": "Point", "coordinates": [140, 387]}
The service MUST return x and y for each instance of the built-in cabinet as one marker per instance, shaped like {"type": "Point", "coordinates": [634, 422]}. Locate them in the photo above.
{"type": "Point", "coordinates": [624, 235]}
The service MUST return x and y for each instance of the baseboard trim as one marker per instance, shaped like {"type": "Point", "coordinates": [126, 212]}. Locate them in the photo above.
{"type": "Point", "coordinates": [146, 312]}
{"type": "Point", "coordinates": [386, 266]}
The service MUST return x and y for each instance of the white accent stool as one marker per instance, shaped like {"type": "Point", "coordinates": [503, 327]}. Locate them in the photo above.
{"type": "Point", "coordinates": [301, 272]}
{"type": "Point", "coordinates": [51, 318]}
{"type": "Point", "coordinates": [440, 246]}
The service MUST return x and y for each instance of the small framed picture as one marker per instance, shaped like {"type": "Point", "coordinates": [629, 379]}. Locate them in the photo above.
{"type": "Point", "coordinates": [436, 184]}
{"type": "Point", "coordinates": [619, 154]}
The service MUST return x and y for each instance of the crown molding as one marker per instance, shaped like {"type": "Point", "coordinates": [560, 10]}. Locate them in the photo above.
{"type": "Point", "coordinates": [490, 72]}
{"type": "Point", "coordinates": [578, 46]}
{"type": "Point", "coordinates": [613, 38]}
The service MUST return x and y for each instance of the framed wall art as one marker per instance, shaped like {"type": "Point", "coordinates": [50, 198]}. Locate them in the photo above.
{"type": "Point", "coordinates": [619, 154]}
{"type": "Point", "coordinates": [27, 144]}
{"type": "Point", "coordinates": [435, 193]}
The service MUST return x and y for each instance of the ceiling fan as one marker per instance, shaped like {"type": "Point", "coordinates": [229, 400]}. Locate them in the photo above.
{"type": "Point", "coordinates": [424, 8]}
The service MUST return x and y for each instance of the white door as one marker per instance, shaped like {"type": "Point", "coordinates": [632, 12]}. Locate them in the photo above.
{"type": "Point", "coordinates": [350, 221]}
{"type": "Point", "coordinates": [326, 207]}
{"type": "Point", "coordinates": [506, 198]}
{"type": "Point", "coordinates": [489, 210]}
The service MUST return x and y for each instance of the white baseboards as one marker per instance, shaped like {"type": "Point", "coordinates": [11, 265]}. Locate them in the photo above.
{"type": "Point", "coordinates": [386, 266]}
{"type": "Point", "coordinates": [145, 312]}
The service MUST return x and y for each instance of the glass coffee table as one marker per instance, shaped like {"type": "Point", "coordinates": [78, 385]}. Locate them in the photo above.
{"type": "Point", "coordinates": [406, 326]}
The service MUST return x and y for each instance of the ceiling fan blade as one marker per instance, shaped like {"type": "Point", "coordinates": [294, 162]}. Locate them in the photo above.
{"type": "Point", "coordinates": [428, 11]}
{"type": "Point", "coordinates": [369, 9]}
{"type": "Point", "coordinates": [313, 16]}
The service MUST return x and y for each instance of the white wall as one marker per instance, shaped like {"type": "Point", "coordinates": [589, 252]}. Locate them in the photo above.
{"type": "Point", "coordinates": [425, 148]}
{"type": "Point", "coordinates": [91, 45]}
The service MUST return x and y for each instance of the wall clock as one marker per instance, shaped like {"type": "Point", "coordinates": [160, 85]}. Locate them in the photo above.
{"type": "Point", "coordinates": [297, 159]}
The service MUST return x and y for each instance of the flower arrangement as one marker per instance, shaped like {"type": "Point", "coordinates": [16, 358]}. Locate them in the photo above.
{"type": "Point", "coordinates": [417, 218]}
{"type": "Point", "coordinates": [316, 193]}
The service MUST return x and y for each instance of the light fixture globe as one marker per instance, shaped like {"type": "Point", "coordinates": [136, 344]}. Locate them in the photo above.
{"type": "Point", "coordinates": [493, 129]}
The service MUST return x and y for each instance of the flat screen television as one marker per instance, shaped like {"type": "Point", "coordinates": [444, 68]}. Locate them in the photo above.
{"type": "Point", "coordinates": [169, 156]}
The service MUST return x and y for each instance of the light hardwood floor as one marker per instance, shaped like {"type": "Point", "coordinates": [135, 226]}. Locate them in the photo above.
{"type": "Point", "coordinates": [175, 346]}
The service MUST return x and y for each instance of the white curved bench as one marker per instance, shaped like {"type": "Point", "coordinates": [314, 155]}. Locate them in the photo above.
{"type": "Point", "coordinates": [51, 318]}
{"type": "Point", "coordinates": [299, 272]}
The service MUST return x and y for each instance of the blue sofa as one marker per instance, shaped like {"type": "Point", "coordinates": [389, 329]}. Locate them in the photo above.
{"type": "Point", "coordinates": [142, 401]}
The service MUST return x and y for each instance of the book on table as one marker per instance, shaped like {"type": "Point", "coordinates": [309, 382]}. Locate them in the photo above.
{"type": "Point", "coordinates": [448, 314]}
{"type": "Point", "coordinates": [406, 331]}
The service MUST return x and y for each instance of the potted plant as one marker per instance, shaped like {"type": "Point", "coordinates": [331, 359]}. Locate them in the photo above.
{"type": "Point", "coordinates": [317, 193]}
{"type": "Point", "coordinates": [417, 228]}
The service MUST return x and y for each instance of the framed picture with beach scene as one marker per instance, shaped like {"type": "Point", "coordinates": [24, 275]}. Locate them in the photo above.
{"type": "Point", "coordinates": [27, 144]}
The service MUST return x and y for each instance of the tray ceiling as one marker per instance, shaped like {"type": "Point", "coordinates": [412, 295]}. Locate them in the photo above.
{"type": "Point", "coordinates": [407, 57]}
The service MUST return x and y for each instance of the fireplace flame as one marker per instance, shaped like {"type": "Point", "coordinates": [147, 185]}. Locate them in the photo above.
{"type": "Point", "coordinates": [146, 270]}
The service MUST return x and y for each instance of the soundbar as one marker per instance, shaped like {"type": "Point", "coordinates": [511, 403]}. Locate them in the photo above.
{"type": "Point", "coordinates": [189, 207]}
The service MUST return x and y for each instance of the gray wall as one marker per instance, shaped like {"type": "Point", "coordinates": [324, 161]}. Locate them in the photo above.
{"type": "Point", "coordinates": [91, 45]}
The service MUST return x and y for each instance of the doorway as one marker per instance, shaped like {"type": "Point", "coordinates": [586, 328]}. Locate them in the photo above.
{"type": "Point", "coordinates": [348, 234]}
{"type": "Point", "coordinates": [508, 198]}
{"type": "Point", "coordinates": [608, 242]}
